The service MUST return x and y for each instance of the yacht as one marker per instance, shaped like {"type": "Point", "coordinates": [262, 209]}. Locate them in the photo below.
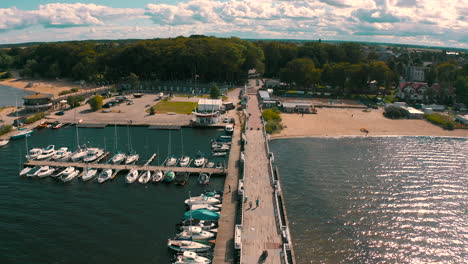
{"type": "Point", "coordinates": [79, 154]}
{"type": "Point", "coordinates": [210, 164]}
{"type": "Point", "coordinates": [131, 158]}
{"type": "Point", "coordinates": [204, 225]}
{"type": "Point", "coordinates": [118, 158]}
{"type": "Point", "coordinates": [22, 133]}
{"type": "Point", "coordinates": [202, 199]}
{"type": "Point", "coordinates": [105, 175]}
{"type": "Point", "coordinates": [88, 174]}
{"type": "Point", "coordinates": [47, 153]}
{"type": "Point", "coordinates": [66, 171]}
{"type": "Point", "coordinates": [204, 178]}
{"type": "Point", "coordinates": [191, 258]}
{"type": "Point", "coordinates": [169, 176]}
{"type": "Point", "coordinates": [62, 154]}
{"type": "Point", "coordinates": [45, 171]}
{"type": "Point", "coordinates": [157, 176]}
{"type": "Point", "coordinates": [218, 154]}
{"type": "Point", "coordinates": [144, 177]}
{"type": "Point", "coordinates": [69, 175]}
{"type": "Point", "coordinates": [184, 161]}
{"type": "Point", "coordinates": [171, 161]}
{"type": "Point", "coordinates": [93, 154]}
{"type": "Point", "coordinates": [25, 171]}
{"type": "Point", "coordinates": [33, 153]}
{"type": "Point", "coordinates": [3, 142]}
{"type": "Point", "coordinates": [213, 208]}
{"type": "Point", "coordinates": [187, 245]}
{"type": "Point", "coordinates": [199, 161]}
{"type": "Point", "coordinates": [32, 172]}
{"type": "Point", "coordinates": [195, 233]}
{"type": "Point", "coordinates": [131, 176]}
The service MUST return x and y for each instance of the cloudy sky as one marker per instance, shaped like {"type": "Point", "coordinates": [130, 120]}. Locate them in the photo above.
{"type": "Point", "coordinates": [427, 22]}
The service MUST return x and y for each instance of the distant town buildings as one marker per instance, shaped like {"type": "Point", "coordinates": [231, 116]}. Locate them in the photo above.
{"type": "Point", "coordinates": [416, 73]}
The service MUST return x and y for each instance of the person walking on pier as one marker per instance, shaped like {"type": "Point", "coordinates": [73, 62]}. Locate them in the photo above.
{"type": "Point", "coordinates": [257, 201]}
{"type": "Point", "coordinates": [245, 199]}
{"type": "Point", "coordinates": [229, 188]}
{"type": "Point", "coordinates": [250, 205]}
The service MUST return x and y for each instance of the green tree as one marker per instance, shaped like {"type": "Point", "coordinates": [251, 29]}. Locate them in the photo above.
{"type": "Point", "coordinates": [152, 111]}
{"type": "Point", "coordinates": [96, 102]}
{"type": "Point", "coordinates": [134, 81]}
{"type": "Point", "coordinates": [74, 101]}
{"type": "Point", "coordinates": [461, 89]}
{"type": "Point", "coordinates": [215, 93]}
{"type": "Point", "coordinates": [302, 72]}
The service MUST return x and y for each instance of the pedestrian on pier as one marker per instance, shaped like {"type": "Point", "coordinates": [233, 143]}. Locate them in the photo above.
{"type": "Point", "coordinates": [257, 201]}
{"type": "Point", "coordinates": [245, 199]}
{"type": "Point", "coordinates": [250, 205]}
{"type": "Point", "coordinates": [229, 188]}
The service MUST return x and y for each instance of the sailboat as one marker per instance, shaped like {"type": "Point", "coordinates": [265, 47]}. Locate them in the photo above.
{"type": "Point", "coordinates": [88, 174]}
{"type": "Point", "coordinates": [191, 258]}
{"type": "Point", "coordinates": [195, 233]}
{"type": "Point", "coordinates": [187, 245]}
{"type": "Point", "coordinates": [119, 157]}
{"type": "Point", "coordinates": [132, 156]}
{"type": "Point", "coordinates": [169, 176]}
{"type": "Point", "coordinates": [157, 176]}
{"type": "Point", "coordinates": [171, 160]}
{"type": "Point", "coordinates": [184, 160]}
{"type": "Point", "coordinates": [45, 171]}
{"type": "Point", "coordinates": [47, 153]}
{"type": "Point", "coordinates": [105, 175]}
{"type": "Point", "coordinates": [144, 177]}
{"type": "Point", "coordinates": [131, 176]}
{"type": "Point", "coordinates": [200, 160]}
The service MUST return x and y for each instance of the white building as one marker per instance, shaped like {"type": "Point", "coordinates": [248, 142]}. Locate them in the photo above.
{"type": "Point", "coordinates": [416, 73]}
{"type": "Point", "coordinates": [208, 111]}
{"type": "Point", "coordinates": [209, 105]}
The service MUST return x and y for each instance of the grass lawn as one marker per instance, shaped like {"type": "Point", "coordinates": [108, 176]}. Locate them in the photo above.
{"type": "Point", "coordinates": [174, 107]}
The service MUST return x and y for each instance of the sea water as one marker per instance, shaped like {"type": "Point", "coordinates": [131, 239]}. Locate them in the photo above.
{"type": "Point", "coordinates": [8, 95]}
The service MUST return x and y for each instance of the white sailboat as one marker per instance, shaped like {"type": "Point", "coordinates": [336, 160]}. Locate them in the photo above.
{"type": "Point", "coordinates": [79, 154]}
{"type": "Point", "coordinates": [195, 233]}
{"type": "Point", "coordinates": [184, 160]}
{"type": "Point", "coordinates": [93, 154]}
{"type": "Point", "coordinates": [132, 156]}
{"type": "Point", "coordinates": [105, 175]}
{"type": "Point", "coordinates": [205, 206]}
{"type": "Point", "coordinates": [45, 171]}
{"type": "Point", "coordinates": [25, 171]}
{"type": "Point", "coordinates": [187, 245]}
{"type": "Point", "coordinates": [68, 174]}
{"type": "Point", "coordinates": [88, 174]}
{"type": "Point", "coordinates": [144, 177]}
{"type": "Point", "coordinates": [191, 258]}
{"type": "Point", "coordinates": [131, 176]}
{"type": "Point", "coordinates": [47, 153]}
{"type": "Point", "coordinates": [157, 176]}
{"type": "Point", "coordinates": [118, 158]}
{"type": "Point", "coordinates": [202, 199]}
{"type": "Point", "coordinates": [61, 154]}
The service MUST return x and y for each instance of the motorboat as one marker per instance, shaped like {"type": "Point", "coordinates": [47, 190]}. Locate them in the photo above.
{"type": "Point", "coordinates": [157, 176]}
{"type": "Point", "coordinates": [43, 125]}
{"type": "Point", "coordinates": [93, 154]}
{"type": "Point", "coordinates": [195, 233]}
{"type": "Point", "coordinates": [229, 129]}
{"type": "Point", "coordinates": [204, 178]}
{"type": "Point", "coordinates": [171, 161]}
{"type": "Point", "coordinates": [57, 126]}
{"type": "Point", "coordinates": [22, 133]}
{"type": "Point", "coordinates": [66, 177]}
{"type": "Point", "coordinates": [201, 214]}
{"type": "Point", "coordinates": [33, 153]}
{"type": "Point", "coordinates": [79, 154]}
{"type": "Point", "coordinates": [169, 176]}
{"type": "Point", "coordinates": [32, 172]}
{"type": "Point", "coordinates": [191, 258]}
{"type": "Point", "coordinates": [88, 174]}
{"type": "Point", "coordinates": [224, 138]}
{"type": "Point", "coordinates": [219, 165]}
{"type": "Point", "coordinates": [131, 176]}
{"type": "Point", "coordinates": [105, 175]}
{"type": "Point", "coordinates": [3, 142]}
{"type": "Point", "coordinates": [47, 153]}
{"type": "Point", "coordinates": [187, 245]}
{"type": "Point", "coordinates": [66, 171]}
{"type": "Point", "coordinates": [203, 224]}
{"type": "Point", "coordinates": [199, 161]}
{"type": "Point", "coordinates": [24, 171]}
{"type": "Point", "coordinates": [184, 161]}
{"type": "Point", "coordinates": [118, 158]}
{"type": "Point", "coordinates": [132, 158]}
{"type": "Point", "coordinates": [44, 171]}
{"type": "Point", "coordinates": [222, 148]}
{"type": "Point", "coordinates": [213, 208]}
{"type": "Point", "coordinates": [218, 154]}
{"type": "Point", "coordinates": [62, 154]}
{"type": "Point", "coordinates": [144, 177]}
{"type": "Point", "coordinates": [210, 164]}
{"type": "Point", "coordinates": [214, 194]}
{"type": "Point", "coordinates": [202, 199]}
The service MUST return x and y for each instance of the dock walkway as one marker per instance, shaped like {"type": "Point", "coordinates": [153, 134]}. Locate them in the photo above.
{"type": "Point", "coordinates": [212, 171]}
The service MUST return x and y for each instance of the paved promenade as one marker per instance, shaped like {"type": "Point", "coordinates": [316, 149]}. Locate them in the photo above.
{"type": "Point", "coordinates": [259, 225]}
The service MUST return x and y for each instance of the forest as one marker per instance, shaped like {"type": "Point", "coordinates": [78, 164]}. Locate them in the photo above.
{"type": "Point", "coordinates": [343, 67]}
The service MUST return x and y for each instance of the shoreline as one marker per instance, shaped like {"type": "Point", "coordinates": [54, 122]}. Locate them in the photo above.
{"type": "Point", "coordinates": [357, 136]}
{"type": "Point", "coordinates": [40, 86]}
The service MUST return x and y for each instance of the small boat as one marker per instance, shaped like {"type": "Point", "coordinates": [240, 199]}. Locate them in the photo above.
{"type": "Point", "coordinates": [144, 177]}
{"type": "Point", "coordinates": [33, 153]}
{"type": "Point", "coordinates": [105, 175]}
{"type": "Point", "coordinates": [205, 225]}
{"type": "Point", "coordinates": [66, 171]}
{"type": "Point", "coordinates": [3, 142]}
{"type": "Point", "coordinates": [47, 153]}
{"type": "Point", "coordinates": [79, 154]}
{"type": "Point", "coordinates": [204, 178]}
{"type": "Point", "coordinates": [200, 161]}
{"type": "Point", "coordinates": [224, 138]}
{"type": "Point", "coordinates": [202, 199]}
{"type": "Point", "coordinates": [213, 208]}
{"type": "Point", "coordinates": [201, 214]}
{"type": "Point", "coordinates": [131, 176]}
{"type": "Point", "coordinates": [57, 125]}
{"type": "Point", "coordinates": [43, 125]}
{"type": "Point", "coordinates": [171, 161]}
{"type": "Point", "coordinates": [89, 174]}
{"type": "Point", "coordinates": [66, 177]}
{"type": "Point", "coordinates": [32, 172]}
{"type": "Point", "coordinates": [215, 194]}
{"type": "Point", "coordinates": [191, 258]}
{"type": "Point", "coordinates": [131, 158]}
{"type": "Point", "coordinates": [229, 129]}
{"type": "Point", "coordinates": [93, 154]}
{"type": "Point", "coordinates": [62, 154]}
{"type": "Point", "coordinates": [44, 171]}
{"type": "Point", "coordinates": [219, 165]}
{"type": "Point", "coordinates": [118, 158]}
{"type": "Point", "coordinates": [169, 176]}
{"type": "Point", "coordinates": [22, 133]}
{"type": "Point", "coordinates": [210, 164]}
{"type": "Point", "coordinates": [195, 233]}
{"type": "Point", "coordinates": [218, 154]}
{"type": "Point", "coordinates": [25, 171]}
{"type": "Point", "coordinates": [187, 245]}
{"type": "Point", "coordinates": [184, 161]}
{"type": "Point", "coordinates": [157, 176]}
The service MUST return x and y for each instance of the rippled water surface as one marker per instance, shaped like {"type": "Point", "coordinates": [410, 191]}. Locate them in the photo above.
{"type": "Point", "coordinates": [8, 95]}
{"type": "Point", "coordinates": [48, 221]}
{"type": "Point", "coordinates": [376, 200]}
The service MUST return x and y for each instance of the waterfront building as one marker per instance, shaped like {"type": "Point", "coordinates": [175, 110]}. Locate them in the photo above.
{"type": "Point", "coordinates": [297, 107]}
{"type": "Point", "coordinates": [38, 102]}
{"type": "Point", "coordinates": [208, 111]}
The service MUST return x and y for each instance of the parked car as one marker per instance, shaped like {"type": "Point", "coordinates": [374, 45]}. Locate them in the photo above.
{"type": "Point", "coordinates": [60, 113]}
{"type": "Point", "coordinates": [226, 120]}
{"type": "Point", "coordinates": [129, 102]}
{"type": "Point", "coordinates": [232, 121]}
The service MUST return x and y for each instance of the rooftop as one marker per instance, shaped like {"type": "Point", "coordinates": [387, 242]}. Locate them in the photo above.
{"type": "Point", "coordinates": [206, 101]}
{"type": "Point", "coordinates": [37, 96]}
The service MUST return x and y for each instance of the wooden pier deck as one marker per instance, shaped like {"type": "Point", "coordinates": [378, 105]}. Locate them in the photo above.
{"type": "Point", "coordinates": [212, 171]}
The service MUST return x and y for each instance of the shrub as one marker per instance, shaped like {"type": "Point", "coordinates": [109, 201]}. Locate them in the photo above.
{"type": "Point", "coordinates": [34, 118]}
{"type": "Point", "coordinates": [95, 102]}
{"type": "Point", "coordinates": [395, 112]}
{"type": "Point", "coordinates": [271, 114]}
{"type": "Point", "coordinates": [5, 129]}
{"type": "Point", "coordinates": [441, 120]}
{"type": "Point", "coordinates": [74, 90]}
{"type": "Point", "coordinates": [74, 101]}
{"type": "Point", "coordinates": [273, 126]}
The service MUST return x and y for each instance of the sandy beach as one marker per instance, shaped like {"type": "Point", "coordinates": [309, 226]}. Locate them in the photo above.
{"type": "Point", "coordinates": [348, 122]}
{"type": "Point", "coordinates": [40, 86]}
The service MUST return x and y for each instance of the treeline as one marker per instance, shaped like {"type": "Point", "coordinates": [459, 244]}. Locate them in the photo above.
{"type": "Point", "coordinates": [204, 58]}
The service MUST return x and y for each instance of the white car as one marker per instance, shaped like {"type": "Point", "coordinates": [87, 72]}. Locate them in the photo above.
{"type": "Point", "coordinates": [226, 120]}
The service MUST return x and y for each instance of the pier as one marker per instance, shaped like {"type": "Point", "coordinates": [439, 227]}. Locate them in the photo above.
{"type": "Point", "coordinates": [101, 166]}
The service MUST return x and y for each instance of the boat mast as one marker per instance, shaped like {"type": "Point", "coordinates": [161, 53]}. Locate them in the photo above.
{"type": "Point", "coordinates": [128, 140]}
{"type": "Point", "coordinates": [76, 128]}
{"type": "Point", "coordinates": [115, 136]}
{"type": "Point", "coordinates": [182, 142]}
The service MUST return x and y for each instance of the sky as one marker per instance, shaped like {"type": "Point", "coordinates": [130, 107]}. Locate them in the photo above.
{"type": "Point", "coordinates": [423, 22]}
